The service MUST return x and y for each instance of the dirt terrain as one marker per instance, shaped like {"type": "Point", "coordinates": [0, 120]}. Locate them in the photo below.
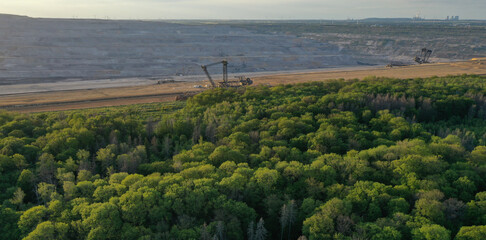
{"type": "Point", "coordinates": [77, 99]}
{"type": "Point", "coordinates": [40, 50]}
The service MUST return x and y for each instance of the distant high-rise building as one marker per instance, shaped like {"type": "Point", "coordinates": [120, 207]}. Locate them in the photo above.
{"type": "Point", "coordinates": [452, 18]}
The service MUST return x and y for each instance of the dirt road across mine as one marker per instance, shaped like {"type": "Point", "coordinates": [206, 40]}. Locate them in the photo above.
{"type": "Point", "coordinates": [78, 99]}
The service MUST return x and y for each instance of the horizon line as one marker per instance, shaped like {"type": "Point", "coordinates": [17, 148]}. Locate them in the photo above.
{"type": "Point", "coordinates": [107, 18]}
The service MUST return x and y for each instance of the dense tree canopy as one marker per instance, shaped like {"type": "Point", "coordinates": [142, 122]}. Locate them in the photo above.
{"type": "Point", "coordinates": [372, 159]}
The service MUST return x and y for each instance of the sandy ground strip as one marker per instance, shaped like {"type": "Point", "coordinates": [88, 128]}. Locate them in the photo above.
{"type": "Point", "coordinates": [76, 99]}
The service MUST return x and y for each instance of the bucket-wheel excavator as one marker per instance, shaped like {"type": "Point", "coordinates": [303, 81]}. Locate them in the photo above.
{"type": "Point", "coordinates": [424, 56]}
{"type": "Point", "coordinates": [242, 80]}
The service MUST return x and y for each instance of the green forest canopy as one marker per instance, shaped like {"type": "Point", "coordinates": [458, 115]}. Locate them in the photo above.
{"type": "Point", "coordinates": [372, 159]}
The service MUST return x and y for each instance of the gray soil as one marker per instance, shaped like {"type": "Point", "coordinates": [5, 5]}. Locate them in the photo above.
{"type": "Point", "coordinates": [38, 55]}
{"type": "Point", "coordinates": [52, 50]}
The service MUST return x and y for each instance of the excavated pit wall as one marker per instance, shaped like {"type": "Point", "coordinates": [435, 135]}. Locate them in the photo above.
{"type": "Point", "coordinates": [50, 50]}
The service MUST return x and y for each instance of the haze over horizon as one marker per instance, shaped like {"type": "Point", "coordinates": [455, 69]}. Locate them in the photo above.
{"type": "Point", "coordinates": [245, 9]}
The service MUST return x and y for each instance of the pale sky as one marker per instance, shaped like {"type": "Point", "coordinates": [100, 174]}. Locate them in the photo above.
{"type": "Point", "coordinates": [244, 9]}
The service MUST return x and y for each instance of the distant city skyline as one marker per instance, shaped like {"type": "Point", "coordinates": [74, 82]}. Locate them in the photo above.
{"type": "Point", "coordinates": [245, 9]}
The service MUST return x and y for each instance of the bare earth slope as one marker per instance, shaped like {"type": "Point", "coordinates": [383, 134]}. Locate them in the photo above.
{"type": "Point", "coordinates": [36, 50]}
{"type": "Point", "coordinates": [76, 99]}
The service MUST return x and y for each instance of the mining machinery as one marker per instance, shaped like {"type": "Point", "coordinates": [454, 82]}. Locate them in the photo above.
{"type": "Point", "coordinates": [397, 64]}
{"type": "Point", "coordinates": [424, 56]}
{"type": "Point", "coordinates": [242, 80]}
